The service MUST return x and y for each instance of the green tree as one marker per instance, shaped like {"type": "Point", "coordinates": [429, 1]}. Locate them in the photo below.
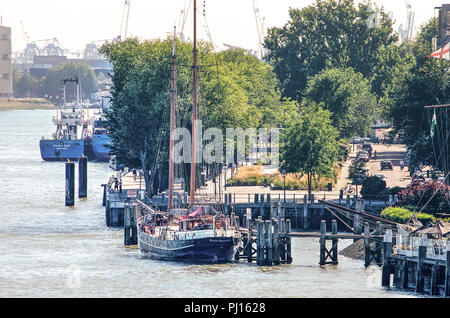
{"type": "Point", "coordinates": [51, 83]}
{"type": "Point", "coordinates": [330, 33]}
{"type": "Point", "coordinates": [357, 170]}
{"type": "Point", "coordinates": [235, 90]}
{"type": "Point", "coordinates": [310, 145]}
{"type": "Point", "coordinates": [423, 82]}
{"type": "Point", "coordinates": [24, 85]}
{"type": "Point", "coordinates": [347, 95]}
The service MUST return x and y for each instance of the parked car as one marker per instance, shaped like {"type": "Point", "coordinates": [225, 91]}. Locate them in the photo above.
{"type": "Point", "coordinates": [381, 176]}
{"type": "Point", "coordinates": [387, 165]}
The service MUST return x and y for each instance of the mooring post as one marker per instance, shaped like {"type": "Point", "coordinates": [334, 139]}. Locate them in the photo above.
{"type": "Point", "coordinates": [334, 231]}
{"type": "Point", "coordinates": [249, 251]}
{"type": "Point", "coordinates": [378, 256]}
{"type": "Point", "coordinates": [347, 202]}
{"type": "Point", "coordinates": [108, 213]}
{"type": "Point", "coordinates": [260, 243]}
{"type": "Point", "coordinates": [387, 250]}
{"type": "Point", "coordinates": [288, 242]}
{"type": "Point", "coordinates": [256, 198]}
{"type": "Point", "coordinates": [312, 199]}
{"type": "Point", "coordinates": [404, 274]}
{"type": "Point", "coordinates": [70, 184]}
{"type": "Point", "coordinates": [447, 272]}
{"type": "Point", "coordinates": [282, 245]}
{"type": "Point", "coordinates": [130, 230]}
{"type": "Point", "coordinates": [276, 242]}
{"type": "Point", "coordinates": [434, 280]}
{"type": "Point", "coordinates": [268, 230]}
{"type": "Point", "coordinates": [82, 177]}
{"type": "Point", "coordinates": [420, 268]}
{"type": "Point", "coordinates": [323, 232]}
{"type": "Point", "coordinates": [367, 254]}
{"type": "Point", "coordinates": [104, 194]}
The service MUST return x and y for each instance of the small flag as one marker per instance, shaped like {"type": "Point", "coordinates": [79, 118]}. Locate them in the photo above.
{"type": "Point", "coordinates": [433, 124]}
{"type": "Point", "coordinates": [443, 53]}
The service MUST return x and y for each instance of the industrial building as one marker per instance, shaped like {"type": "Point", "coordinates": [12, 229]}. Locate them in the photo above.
{"type": "Point", "coordinates": [5, 62]}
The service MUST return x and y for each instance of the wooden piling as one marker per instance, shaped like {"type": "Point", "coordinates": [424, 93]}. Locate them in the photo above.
{"type": "Point", "coordinates": [367, 253]}
{"type": "Point", "coordinates": [387, 250]}
{"type": "Point", "coordinates": [404, 274]}
{"type": "Point", "coordinates": [434, 279]}
{"type": "Point", "coordinates": [282, 246]}
{"type": "Point", "coordinates": [104, 194]}
{"type": "Point", "coordinates": [323, 232]}
{"type": "Point", "coordinates": [420, 266]}
{"type": "Point", "coordinates": [269, 246]}
{"type": "Point", "coordinates": [260, 242]}
{"type": "Point", "coordinates": [276, 242]}
{"type": "Point", "coordinates": [130, 229]}
{"type": "Point", "coordinates": [70, 184]}
{"type": "Point", "coordinates": [288, 242]}
{"type": "Point", "coordinates": [82, 177]}
{"type": "Point", "coordinates": [249, 250]}
{"type": "Point", "coordinates": [334, 249]}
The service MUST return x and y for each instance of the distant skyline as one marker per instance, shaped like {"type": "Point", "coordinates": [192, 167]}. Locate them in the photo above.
{"type": "Point", "coordinates": [76, 23]}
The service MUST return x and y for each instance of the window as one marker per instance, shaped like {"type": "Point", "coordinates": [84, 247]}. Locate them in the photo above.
{"type": "Point", "coordinates": [5, 57]}
{"type": "Point", "coordinates": [6, 76]}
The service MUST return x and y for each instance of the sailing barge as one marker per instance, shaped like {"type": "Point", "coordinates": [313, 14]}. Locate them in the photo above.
{"type": "Point", "coordinates": [198, 234]}
{"type": "Point", "coordinates": [203, 236]}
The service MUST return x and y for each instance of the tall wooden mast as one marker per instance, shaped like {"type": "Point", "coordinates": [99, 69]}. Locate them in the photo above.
{"type": "Point", "coordinates": [194, 110]}
{"type": "Point", "coordinates": [172, 119]}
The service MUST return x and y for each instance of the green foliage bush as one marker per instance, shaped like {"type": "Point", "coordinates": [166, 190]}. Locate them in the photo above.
{"type": "Point", "coordinates": [403, 215]}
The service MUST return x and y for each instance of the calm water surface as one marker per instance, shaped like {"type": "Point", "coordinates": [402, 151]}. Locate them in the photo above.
{"type": "Point", "coordinates": [49, 250]}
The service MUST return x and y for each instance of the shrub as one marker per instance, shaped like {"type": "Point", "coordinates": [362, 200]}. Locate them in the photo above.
{"type": "Point", "coordinates": [433, 194]}
{"type": "Point", "coordinates": [403, 215]}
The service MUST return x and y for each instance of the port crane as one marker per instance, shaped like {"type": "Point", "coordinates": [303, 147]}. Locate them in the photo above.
{"type": "Point", "coordinates": [260, 27]}
{"type": "Point", "coordinates": [125, 19]}
{"type": "Point", "coordinates": [406, 32]}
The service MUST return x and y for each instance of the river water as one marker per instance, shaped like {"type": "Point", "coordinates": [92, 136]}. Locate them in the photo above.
{"type": "Point", "coordinates": [49, 250]}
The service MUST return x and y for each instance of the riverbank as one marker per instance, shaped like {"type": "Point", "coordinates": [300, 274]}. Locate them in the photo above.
{"type": "Point", "coordinates": [25, 104]}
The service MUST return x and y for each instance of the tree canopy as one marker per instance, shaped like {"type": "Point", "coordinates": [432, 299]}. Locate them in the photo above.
{"type": "Point", "coordinates": [330, 34]}
{"type": "Point", "coordinates": [309, 144]}
{"type": "Point", "coordinates": [235, 90]}
{"type": "Point", "coordinates": [347, 95]}
{"type": "Point", "coordinates": [423, 81]}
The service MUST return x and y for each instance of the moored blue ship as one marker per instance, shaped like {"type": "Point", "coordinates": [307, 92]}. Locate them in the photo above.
{"type": "Point", "coordinates": [72, 127]}
{"type": "Point", "coordinates": [61, 150]}
{"type": "Point", "coordinates": [100, 142]}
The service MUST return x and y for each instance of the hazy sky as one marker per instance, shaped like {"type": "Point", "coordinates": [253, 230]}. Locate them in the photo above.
{"type": "Point", "coordinates": [76, 23]}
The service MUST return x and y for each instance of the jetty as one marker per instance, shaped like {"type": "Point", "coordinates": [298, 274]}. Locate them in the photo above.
{"type": "Point", "coordinates": [267, 226]}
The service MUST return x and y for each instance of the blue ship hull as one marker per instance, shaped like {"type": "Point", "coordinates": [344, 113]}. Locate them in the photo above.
{"type": "Point", "coordinates": [214, 250]}
{"type": "Point", "coordinates": [61, 150]}
{"type": "Point", "coordinates": [99, 147]}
